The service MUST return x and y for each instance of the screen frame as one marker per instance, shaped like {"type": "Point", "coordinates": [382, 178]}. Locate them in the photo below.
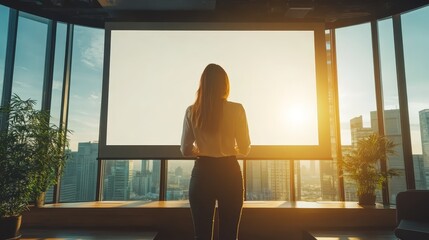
{"type": "Point", "coordinates": [322, 151]}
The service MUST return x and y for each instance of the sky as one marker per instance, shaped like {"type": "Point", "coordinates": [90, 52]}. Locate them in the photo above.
{"type": "Point", "coordinates": [86, 74]}
{"type": "Point", "coordinates": [272, 73]}
{"type": "Point", "coordinates": [355, 72]}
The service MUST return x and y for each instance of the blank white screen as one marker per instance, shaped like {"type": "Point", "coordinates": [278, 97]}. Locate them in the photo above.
{"type": "Point", "coordinates": [154, 75]}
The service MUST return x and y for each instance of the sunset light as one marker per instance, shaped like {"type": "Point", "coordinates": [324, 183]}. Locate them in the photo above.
{"type": "Point", "coordinates": [297, 115]}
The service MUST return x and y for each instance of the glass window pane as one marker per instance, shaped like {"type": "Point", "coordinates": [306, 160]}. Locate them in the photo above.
{"type": "Point", "coordinates": [131, 180]}
{"type": "Point", "coordinates": [392, 123]}
{"type": "Point", "coordinates": [80, 174]}
{"type": "Point", "coordinates": [135, 61]}
{"type": "Point", "coordinates": [30, 58]}
{"type": "Point", "coordinates": [308, 187]}
{"type": "Point", "coordinates": [178, 177]}
{"type": "Point", "coordinates": [79, 180]}
{"type": "Point", "coordinates": [4, 21]}
{"type": "Point", "coordinates": [329, 180]}
{"type": "Point", "coordinates": [57, 84]}
{"type": "Point", "coordinates": [356, 89]}
{"type": "Point", "coordinates": [267, 180]}
{"type": "Point", "coordinates": [416, 51]}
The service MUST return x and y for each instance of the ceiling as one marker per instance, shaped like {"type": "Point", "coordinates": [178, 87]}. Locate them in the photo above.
{"type": "Point", "coordinates": [334, 13]}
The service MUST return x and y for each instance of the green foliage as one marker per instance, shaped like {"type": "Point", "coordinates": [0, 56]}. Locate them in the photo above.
{"type": "Point", "coordinates": [362, 164]}
{"type": "Point", "coordinates": [32, 155]}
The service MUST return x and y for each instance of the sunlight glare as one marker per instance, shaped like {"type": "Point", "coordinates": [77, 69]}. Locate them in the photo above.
{"type": "Point", "coordinates": [296, 115]}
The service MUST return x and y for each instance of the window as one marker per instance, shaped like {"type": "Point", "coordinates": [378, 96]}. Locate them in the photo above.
{"type": "Point", "coordinates": [355, 89]}
{"type": "Point", "coordinates": [131, 180]}
{"type": "Point", "coordinates": [267, 180]}
{"type": "Point", "coordinates": [295, 108]}
{"type": "Point", "coordinates": [4, 20]}
{"type": "Point", "coordinates": [416, 51]}
{"type": "Point", "coordinates": [392, 123]}
{"type": "Point", "coordinates": [57, 86]}
{"type": "Point", "coordinates": [80, 176]}
{"type": "Point", "coordinates": [178, 177]}
{"type": "Point", "coordinates": [30, 57]}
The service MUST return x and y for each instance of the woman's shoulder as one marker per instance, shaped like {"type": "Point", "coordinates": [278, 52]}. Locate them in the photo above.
{"type": "Point", "coordinates": [188, 111]}
{"type": "Point", "coordinates": [234, 105]}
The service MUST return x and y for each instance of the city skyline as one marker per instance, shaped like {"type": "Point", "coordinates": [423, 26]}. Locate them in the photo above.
{"type": "Point", "coordinates": [266, 180]}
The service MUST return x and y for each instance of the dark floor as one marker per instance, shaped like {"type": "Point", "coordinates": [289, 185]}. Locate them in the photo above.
{"type": "Point", "coordinates": [69, 234]}
{"type": "Point", "coordinates": [73, 234]}
{"type": "Point", "coordinates": [351, 235]}
{"type": "Point", "coordinates": [262, 220]}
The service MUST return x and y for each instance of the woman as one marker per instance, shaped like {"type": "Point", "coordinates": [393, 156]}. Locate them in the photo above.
{"type": "Point", "coordinates": [215, 131]}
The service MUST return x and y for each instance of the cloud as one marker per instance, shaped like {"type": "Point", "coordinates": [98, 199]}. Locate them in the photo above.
{"type": "Point", "coordinates": [22, 68]}
{"type": "Point", "coordinates": [92, 52]}
{"type": "Point", "coordinates": [94, 96]}
{"type": "Point", "coordinates": [57, 85]}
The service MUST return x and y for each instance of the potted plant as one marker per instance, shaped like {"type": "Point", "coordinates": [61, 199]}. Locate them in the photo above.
{"type": "Point", "coordinates": [50, 156]}
{"type": "Point", "coordinates": [31, 153]}
{"type": "Point", "coordinates": [362, 165]}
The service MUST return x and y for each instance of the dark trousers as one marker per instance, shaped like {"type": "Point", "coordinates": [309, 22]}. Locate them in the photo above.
{"type": "Point", "coordinates": [216, 179]}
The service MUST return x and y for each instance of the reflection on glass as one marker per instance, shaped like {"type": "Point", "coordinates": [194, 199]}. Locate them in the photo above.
{"type": "Point", "coordinates": [4, 20]}
{"type": "Point", "coordinates": [131, 180]}
{"type": "Point", "coordinates": [416, 51]}
{"type": "Point", "coordinates": [30, 58]}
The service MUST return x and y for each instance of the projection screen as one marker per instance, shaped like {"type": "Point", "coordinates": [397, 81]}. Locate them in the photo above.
{"type": "Point", "coordinates": [152, 72]}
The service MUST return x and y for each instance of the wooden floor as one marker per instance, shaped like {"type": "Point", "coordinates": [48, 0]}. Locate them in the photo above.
{"type": "Point", "coordinates": [87, 234]}
{"type": "Point", "coordinates": [353, 234]}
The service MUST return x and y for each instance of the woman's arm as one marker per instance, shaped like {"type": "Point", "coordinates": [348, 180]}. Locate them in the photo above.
{"type": "Point", "coordinates": [242, 132]}
{"type": "Point", "coordinates": [188, 138]}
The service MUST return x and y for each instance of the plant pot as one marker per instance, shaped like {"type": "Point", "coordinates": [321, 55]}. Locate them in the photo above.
{"type": "Point", "coordinates": [367, 199]}
{"type": "Point", "coordinates": [40, 200]}
{"type": "Point", "coordinates": [9, 227]}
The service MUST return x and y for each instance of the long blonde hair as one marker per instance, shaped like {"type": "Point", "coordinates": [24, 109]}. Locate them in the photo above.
{"type": "Point", "coordinates": [207, 110]}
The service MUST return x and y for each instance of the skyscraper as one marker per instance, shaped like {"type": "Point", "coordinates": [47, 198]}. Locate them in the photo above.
{"type": "Point", "coordinates": [278, 179]}
{"type": "Point", "coordinates": [257, 180]}
{"type": "Point", "coordinates": [68, 189]}
{"type": "Point", "coordinates": [419, 171]}
{"type": "Point", "coordinates": [268, 180]}
{"type": "Point", "coordinates": [392, 130]}
{"type": "Point", "coordinates": [143, 179]}
{"type": "Point", "coordinates": [118, 180]}
{"type": "Point", "coordinates": [80, 174]}
{"type": "Point", "coordinates": [424, 133]}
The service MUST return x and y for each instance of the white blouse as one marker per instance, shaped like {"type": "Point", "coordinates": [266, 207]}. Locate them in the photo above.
{"type": "Point", "coordinates": [232, 139]}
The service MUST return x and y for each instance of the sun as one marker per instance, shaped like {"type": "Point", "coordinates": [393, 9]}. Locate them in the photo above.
{"type": "Point", "coordinates": [296, 115]}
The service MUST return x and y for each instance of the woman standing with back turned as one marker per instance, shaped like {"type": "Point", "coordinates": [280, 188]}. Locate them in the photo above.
{"type": "Point", "coordinates": [215, 131]}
